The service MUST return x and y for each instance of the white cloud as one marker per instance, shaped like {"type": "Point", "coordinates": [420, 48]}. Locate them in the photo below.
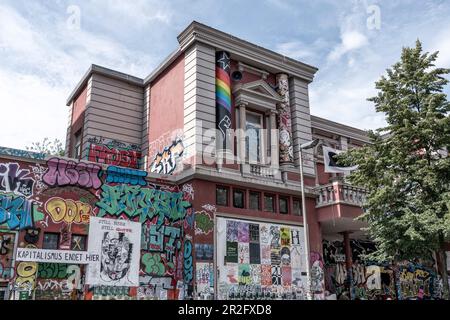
{"type": "Point", "coordinates": [350, 40]}
{"type": "Point", "coordinates": [308, 52]}
{"type": "Point", "coordinates": [31, 110]}
{"type": "Point", "coordinates": [41, 64]}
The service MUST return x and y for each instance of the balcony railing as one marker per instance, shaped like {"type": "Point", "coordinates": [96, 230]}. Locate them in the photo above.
{"type": "Point", "coordinates": [339, 192]}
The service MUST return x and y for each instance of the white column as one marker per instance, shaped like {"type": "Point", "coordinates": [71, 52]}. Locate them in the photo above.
{"type": "Point", "coordinates": [273, 141]}
{"type": "Point", "coordinates": [242, 125]}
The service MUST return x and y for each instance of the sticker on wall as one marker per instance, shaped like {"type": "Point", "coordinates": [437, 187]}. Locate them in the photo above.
{"type": "Point", "coordinates": [232, 273]}
{"type": "Point", "coordinates": [243, 232]}
{"type": "Point", "coordinates": [118, 244]}
{"type": "Point", "coordinates": [205, 251]}
{"type": "Point", "coordinates": [244, 274]}
{"type": "Point", "coordinates": [244, 254]}
{"type": "Point", "coordinates": [295, 237]}
{"type": "Point", "coordinates": [204, 278]}
{"type": "Point", "coordinates": [286, 276]}
{"type": "Point", "coordinates": [232, 230]}
{"type": "Point", "coordinates": [266, 275]}
{"type": "Point", "coordinates": [285, 254]}
{"type": "Point", "coordinates": [276, 275]}
{"type": "Point", "coordinates": [296, 257]}
{"type": "Point", "coordinates": [275, 237]}
{"type": "Point", "coordinates": [275, 258]}
{"type": "Point", "coordinates": [265, 254]}
{"type": "Point", "coordinates": [264, 233]}
{"type": "Point", "coordinates": [232, 252]}
{"type": "Point", "coordinates": [285, 236]}
{"type": "Point", "coordinates": [255, 251]}
{"type": "Point", "coordinates": [254, 233]}
{"type": "Point", "coordinates": [255, 273]}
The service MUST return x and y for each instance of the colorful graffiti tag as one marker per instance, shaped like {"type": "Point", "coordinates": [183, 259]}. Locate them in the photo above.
{"type": "Point", "coordinates": [16, 212]}
{"type": "Point", "coordinates": [114, 156]}
{"type": "Point", "coordinates": [165, 162]}
{"type": "Point", "coordinates": [145, 203]}
{"type": "Point", "coordinates": [15, 180]}
{"type": "Point", "coordinates": [63, 172]}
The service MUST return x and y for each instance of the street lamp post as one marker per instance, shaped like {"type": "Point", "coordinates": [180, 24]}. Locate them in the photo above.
{"type": "Point", "coordinates": [307, 145]}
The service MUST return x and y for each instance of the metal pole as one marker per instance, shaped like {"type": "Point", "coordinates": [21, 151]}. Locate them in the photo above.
{"type": "Point", "coordinates": [306, 232]}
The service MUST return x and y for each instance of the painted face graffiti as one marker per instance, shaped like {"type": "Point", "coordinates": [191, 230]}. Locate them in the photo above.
{"type": "Point", "coordinates": [115, 256]}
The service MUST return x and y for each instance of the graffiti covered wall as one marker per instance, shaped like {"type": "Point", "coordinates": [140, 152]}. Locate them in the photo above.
{"type": "Point", "coordinates": [50, 204]}
{"type": "Point", "coordinates": [375, 281]}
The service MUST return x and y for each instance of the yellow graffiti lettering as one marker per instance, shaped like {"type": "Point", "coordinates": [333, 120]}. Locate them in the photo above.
{"type": "Point", "coordinates": [26, 273]}
{"type": "Point", "coordinates": [26, 269]}
{"type": "Point", "coordinates": [68, 210]}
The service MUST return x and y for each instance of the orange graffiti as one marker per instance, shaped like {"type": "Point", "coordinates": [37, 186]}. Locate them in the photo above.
{"type": "Point", "coordinates": [69, 211]}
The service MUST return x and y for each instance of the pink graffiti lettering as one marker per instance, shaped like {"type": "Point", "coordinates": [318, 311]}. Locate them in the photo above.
{"type": "Point", "coordinates": [63, 172]}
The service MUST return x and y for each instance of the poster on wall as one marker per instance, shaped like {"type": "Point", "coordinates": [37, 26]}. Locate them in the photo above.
{"type": "Point", "coordinates": [118, 244]}
{"type": "Point", "coordinates": [259, 259]}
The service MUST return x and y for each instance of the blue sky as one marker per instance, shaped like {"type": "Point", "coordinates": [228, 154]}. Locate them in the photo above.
{"type": "Point", "coordinates": [44, 51]}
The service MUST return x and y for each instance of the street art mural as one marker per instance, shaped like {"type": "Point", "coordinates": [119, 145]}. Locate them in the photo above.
{"type": "Point", "coordinates": [284, 120]}
{"type": "Point", "coordinates": [367, 280]}
{"type": "Point", "coordinates": [254, 260]}
{"type": "Point", "coordinates": [61, 197]}
{"type": "Point", "coordinates": [165, 162]}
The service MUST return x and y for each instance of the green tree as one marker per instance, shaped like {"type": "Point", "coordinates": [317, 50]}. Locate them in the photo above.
{"type": "Point", "coordinates": [406, 168]}
{"type": "Point", "coordinates": [54, 147]}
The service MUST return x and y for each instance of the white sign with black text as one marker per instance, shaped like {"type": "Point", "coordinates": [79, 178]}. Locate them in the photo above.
{"type": "Point", "coordinates": [118, 243]}
{"type": "Point", "coordinates": [56, 256]}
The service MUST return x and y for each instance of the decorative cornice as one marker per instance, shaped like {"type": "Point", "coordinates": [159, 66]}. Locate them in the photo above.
{"type": "Point", "coordinates": [339, 129]}
{"type": "Point", "coordinates": [245, 51]}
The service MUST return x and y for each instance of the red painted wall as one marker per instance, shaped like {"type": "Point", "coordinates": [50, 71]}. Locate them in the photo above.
{"type": "Point", "coordinates": [167, 101]}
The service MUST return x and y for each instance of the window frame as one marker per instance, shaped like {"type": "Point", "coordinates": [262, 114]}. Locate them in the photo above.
{"type": "Point", "coordinates": [227, 189]}
{"type": "Point", "coordinates": [58, 238]}
{"type": "Point", "coordinates": [259, 200]}
{"type": "Point", "coordinates": [299, 207]}
{"type": "Point", "coordinates": [242, 191]}
{"type": "Point", "coordinates": [261, 144]}
{"type": "Point", "coordinates": [284, 198]}
{"type": "Point", "coordinates": [78, 235]}
{"type": "Point", "coordinates": [273, 202]}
